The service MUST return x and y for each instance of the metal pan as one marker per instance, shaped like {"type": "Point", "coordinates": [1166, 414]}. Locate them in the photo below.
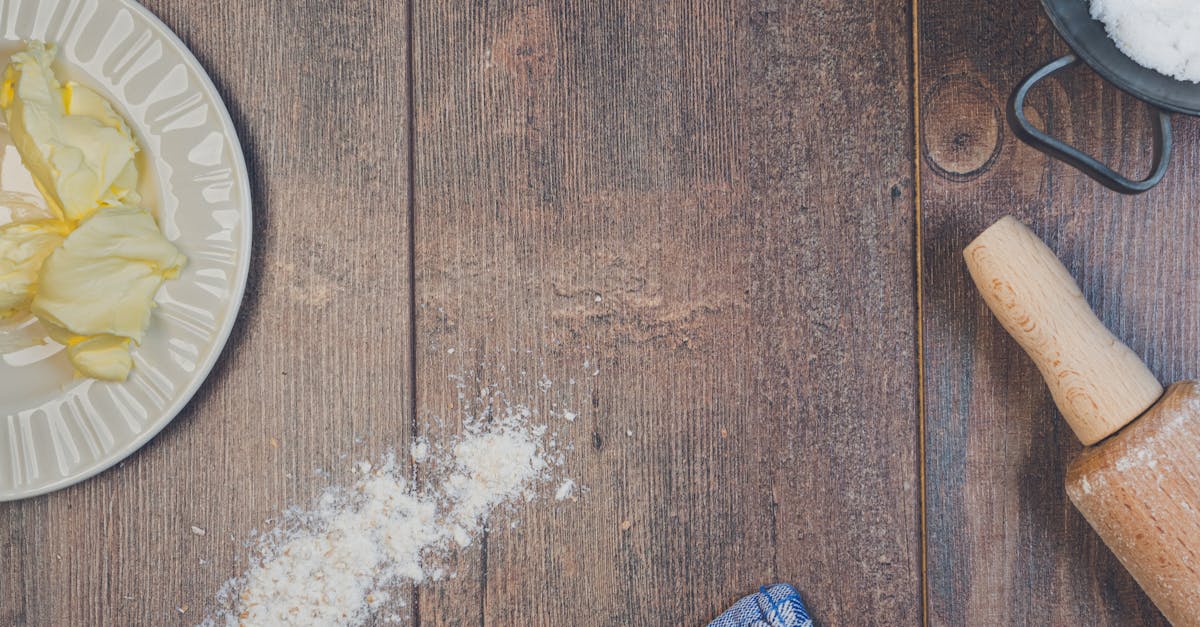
{"type": "Point", "coordinates": [1091, 44]}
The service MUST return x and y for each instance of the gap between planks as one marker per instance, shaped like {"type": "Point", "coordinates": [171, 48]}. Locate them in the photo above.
{"type": "Point", "coordinates": [411, 143]}
{"type": "Point", "coordinates": [918, 248]}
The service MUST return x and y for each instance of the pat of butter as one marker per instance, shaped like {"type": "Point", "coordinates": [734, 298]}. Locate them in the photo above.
{"type": "Point", "coordinates": [103, 357]}
{"type": "Point", "coordinates": [97, 289]}
{"type": "Point", "coordinates": [23, 248]}
{"type": "Point", "coordinates": [79, 151]}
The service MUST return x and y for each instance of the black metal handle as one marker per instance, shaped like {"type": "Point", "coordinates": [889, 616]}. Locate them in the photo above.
{"type": "Point", "coordinates": [1103, 174]}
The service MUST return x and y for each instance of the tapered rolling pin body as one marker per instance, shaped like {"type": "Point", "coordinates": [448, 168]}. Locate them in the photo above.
{"type": "Point", "coordinates": [1140, 488]}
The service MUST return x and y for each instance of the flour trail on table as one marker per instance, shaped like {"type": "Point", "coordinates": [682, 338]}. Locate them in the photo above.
{"type": "Point", "coordinates": [342, 561]}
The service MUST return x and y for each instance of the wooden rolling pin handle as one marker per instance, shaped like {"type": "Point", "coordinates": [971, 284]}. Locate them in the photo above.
{"type": "Point", "coordinates": [1098, 384]}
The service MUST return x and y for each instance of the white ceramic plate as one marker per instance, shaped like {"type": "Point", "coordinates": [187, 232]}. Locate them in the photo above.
{"type": "Point", "coordinates": [55, 429]}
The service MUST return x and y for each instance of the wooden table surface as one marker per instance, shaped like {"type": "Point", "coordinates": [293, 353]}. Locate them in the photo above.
{"type": "Point", "coordinates": [748, 215]}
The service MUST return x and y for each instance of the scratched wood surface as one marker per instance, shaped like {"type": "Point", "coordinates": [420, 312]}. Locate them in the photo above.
{"type": "Point", "coordinates": [1004, 543]}
{"type": "Point", "coordinates": [689, 198]}
{"type": "Point", "coordinates": [692, 225]}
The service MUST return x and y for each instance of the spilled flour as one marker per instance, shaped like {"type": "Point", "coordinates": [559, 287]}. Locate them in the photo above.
{"type": "Point", "coordinates": [341, 562]}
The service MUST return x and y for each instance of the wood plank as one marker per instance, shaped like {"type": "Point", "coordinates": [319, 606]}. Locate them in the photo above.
{"type": "Point", "coordinates": [317, 91]}
{"type": "Point", "coordinates": [711, 202]}
{"type": "Point", "coordinates": [1004, 544]}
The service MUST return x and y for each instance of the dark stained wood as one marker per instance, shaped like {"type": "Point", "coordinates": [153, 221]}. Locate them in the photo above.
{"type": "Point", "coordinates": [1004, 543]}
{"type": "Point", "coordinates": [713, 203]}
{"type": "Point", "coordinates": [318, 95]}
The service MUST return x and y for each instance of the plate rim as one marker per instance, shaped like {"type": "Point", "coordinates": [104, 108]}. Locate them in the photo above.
{"type": "Point", "coordinates": [237, 293]}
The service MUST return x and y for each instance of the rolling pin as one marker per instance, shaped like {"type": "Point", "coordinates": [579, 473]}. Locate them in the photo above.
{"type": "Point", "coordinates": [1137, 482]}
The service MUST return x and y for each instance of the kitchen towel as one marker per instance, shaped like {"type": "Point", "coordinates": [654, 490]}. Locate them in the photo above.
{"type": "Point", "coordinates": [772, 606]}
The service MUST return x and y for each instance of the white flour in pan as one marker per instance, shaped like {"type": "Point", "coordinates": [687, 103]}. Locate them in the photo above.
{"type": "Point", "coordinates": [1163, 35]}
{"type": "Point", "coordinates": [341, 562]}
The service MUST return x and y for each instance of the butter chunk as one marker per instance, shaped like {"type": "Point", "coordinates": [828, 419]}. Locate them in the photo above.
{"type": "Point", "coordinates": [103, 278]}
{"type": "Point", "coordinates": [23, 249]}
{"type": "Point", "coordinates": [103, 357]}
{"type": "Point", "coordinates": [78, 149]}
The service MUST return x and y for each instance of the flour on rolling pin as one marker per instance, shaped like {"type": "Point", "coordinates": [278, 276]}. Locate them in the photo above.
{"type": "Point", "coordinates": [1138, 483]}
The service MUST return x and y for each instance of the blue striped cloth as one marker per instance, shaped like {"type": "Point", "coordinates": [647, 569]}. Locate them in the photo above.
{"type": "Point", "coordinates": [773, 606]}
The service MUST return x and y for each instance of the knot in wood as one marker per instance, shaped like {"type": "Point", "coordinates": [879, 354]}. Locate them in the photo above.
{"type": "Point", "coordinates": [961, 127]}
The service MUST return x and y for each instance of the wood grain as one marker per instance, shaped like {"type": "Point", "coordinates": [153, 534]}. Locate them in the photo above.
{"type": "Point", "coordinates": [317, 92]}
{"type": "Point", "coordinates": [695, 199]}
{"type": "Point", "coordinates": [1004, 543]}
{"type": "Point", "coordinates": [713, 205]}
